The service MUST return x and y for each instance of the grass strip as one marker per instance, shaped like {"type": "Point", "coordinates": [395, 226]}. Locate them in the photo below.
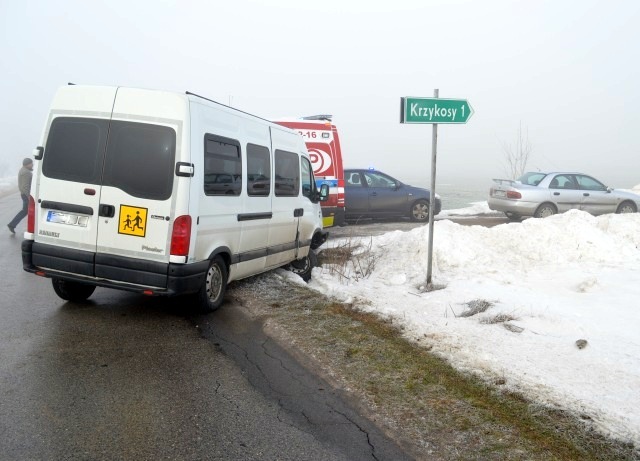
{"type": "Point", "coordinates": [432, 409]}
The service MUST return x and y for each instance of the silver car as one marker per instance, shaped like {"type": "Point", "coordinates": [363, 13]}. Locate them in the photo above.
{"type": "Point", "coordinates": [544, 194]}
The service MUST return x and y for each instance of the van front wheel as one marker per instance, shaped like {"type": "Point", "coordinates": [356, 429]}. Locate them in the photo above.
{"type": "Point", "coordinates": [304, 266]}
{"type": "Point", "coordinates": [72, 291]}
{"type": "Point", "coordinates": [212, 291]}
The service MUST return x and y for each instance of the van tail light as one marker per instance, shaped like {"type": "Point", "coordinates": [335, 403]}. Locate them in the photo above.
{"type": "Point", "coordinates": [513, 194]}
{"type": "Point", "coordinates": [341, 193]}
{"type": "Point", "coordinates": [181, 236]}
{"type": "Point", "coordinates": [31, 216]}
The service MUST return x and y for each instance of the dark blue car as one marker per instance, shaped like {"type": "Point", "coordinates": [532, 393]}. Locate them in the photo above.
{"type": "Point", "coordinates": [373, 194]}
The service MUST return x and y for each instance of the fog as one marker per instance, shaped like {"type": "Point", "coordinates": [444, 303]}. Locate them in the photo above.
{"type": "Point", "coordinates": [567, 71]}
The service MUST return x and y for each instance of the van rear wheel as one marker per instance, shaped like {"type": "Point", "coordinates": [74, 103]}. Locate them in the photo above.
{"type": "Point", "coordinates": [72, 291]}
{"type": "Point", "coordinates": [212, 292]}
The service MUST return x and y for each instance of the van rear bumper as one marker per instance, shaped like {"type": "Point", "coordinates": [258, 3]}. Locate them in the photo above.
{"type": "Point", "coordinates": [112, 271]}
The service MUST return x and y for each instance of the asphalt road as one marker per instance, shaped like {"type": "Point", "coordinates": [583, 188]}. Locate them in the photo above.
{"type": "Point", "coordinates": [128, 377]}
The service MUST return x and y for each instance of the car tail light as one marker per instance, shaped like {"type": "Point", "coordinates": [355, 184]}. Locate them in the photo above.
{"type": "Point", "coordinates": [31, 216]}
{"type": "Point", "coordinates": [513, 194]}
{"type": "Point", "coordinates": [181, 236]}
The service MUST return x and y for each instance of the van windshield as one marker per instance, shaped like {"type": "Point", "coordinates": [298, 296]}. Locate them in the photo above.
{"type": "Point", "coordinates": [137, 158]}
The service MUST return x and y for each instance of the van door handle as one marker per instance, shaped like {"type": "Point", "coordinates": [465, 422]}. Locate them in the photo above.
{"type": "Point", "coordinates": [556, 193]}
{"type": "Point", "coordinates": [586, 194]}
{"type": "Point", "coordinates": [298, 212]}
{"type": "Point", "coordinates": [108, 211]}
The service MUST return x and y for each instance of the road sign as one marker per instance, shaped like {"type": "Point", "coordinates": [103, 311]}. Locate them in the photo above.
{"type": "Point", "coordinates": [434, 110]}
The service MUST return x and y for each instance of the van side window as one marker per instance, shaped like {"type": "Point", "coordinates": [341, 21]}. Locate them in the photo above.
{"type": "Point", "coordinates": [258, 170]}
{"type": "Point", "coordinates": [75, 149]}
{"type": "Point", "coordinates": [287, 182]}
{"type": "Point", "coordinates": [141, 159]}
{"type": "Point", "coordinates": [222, 166]}
{"type": "Point", "coordinates": [308, 185]}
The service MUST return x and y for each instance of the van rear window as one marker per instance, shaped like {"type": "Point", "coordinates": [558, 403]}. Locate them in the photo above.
{"type": "Point", "coordinates": [139, 158]}
{"type": "Point", "coordinates": [75, 149]}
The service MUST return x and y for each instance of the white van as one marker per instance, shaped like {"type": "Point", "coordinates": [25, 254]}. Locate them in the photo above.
{"type": "Point", "coordinates": [166, 193]}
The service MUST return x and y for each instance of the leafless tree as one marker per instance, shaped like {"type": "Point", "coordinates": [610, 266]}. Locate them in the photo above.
{"type": "Point", "coordinates": [517, 154]}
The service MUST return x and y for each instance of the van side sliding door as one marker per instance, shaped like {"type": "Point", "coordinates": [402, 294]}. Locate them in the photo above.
{"type": "Point", "coordinates": [286, 210]}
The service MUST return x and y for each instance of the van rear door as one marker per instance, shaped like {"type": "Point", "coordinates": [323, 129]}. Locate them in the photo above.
{"type": "Point", "coordinates": [107, 184]}
{"type": "Point", "coordinates": [137, 194]}
{"type": "Point", "coordinates": [68, 188]}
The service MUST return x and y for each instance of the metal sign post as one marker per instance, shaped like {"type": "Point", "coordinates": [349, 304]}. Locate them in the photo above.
{"type": "Point", "coordinates": [433, 111]}
{"type": "Point", "coordinates": [434, 149]}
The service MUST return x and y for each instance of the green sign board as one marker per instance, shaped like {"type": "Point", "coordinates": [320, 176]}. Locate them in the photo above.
{"type": "Point", "coordinates": [434, 110]}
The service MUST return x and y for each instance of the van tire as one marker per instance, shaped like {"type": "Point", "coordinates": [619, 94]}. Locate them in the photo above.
{"type": "Point", "coordinates": [212, 292]}
{"type": "Point", "coordinates": [304, 266]}
{"type": "Point", "coordinates": [72, 291]}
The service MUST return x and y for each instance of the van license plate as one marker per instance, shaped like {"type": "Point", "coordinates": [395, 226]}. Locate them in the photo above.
{"type": "Point", "coordinates": [67, 218]}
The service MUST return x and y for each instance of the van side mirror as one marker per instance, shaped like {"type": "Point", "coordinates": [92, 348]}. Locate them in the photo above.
{"type": "Point", "coordinates": [323, 195]}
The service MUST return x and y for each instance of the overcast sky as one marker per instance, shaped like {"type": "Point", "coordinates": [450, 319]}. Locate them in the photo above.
{"type": "Point", "coordinates": [568, 71]}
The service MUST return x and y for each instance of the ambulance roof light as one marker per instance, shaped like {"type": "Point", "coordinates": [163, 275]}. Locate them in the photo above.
{"type": "Point", "coordinates": [318, 117]}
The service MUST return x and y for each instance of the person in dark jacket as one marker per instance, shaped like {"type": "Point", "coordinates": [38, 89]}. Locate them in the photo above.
{"type": "Point", "coordinates": [24, 185]}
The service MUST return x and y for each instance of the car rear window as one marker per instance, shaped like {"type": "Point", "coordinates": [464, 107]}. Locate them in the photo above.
{"type": "Point", "coordinates": [532, 179]}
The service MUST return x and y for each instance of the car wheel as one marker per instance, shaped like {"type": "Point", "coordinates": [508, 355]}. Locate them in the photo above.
{"type": "Point", "coordinates": [304, 266]}
{"type": "Point", "coordinates": [545, 210]}
{"type": "Point", "coordinates": [420, 211]}
{"type": "Point", "coordinates": [72, 291]}
{"type": "Point", "coordinates": [627, 207]}
{"type": "Point", "coordinates": [212, 292]}
{"type": "Point", "coordinates": [513, 217]}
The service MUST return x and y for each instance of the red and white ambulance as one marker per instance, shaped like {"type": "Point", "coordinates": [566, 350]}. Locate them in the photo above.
{"type": "Point", "coordinates": [323, 144]}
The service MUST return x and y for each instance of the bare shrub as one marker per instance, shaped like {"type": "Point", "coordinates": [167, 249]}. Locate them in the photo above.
{"type": "Point", "coordinates": [350, 260]}
{"type": "Point", "coordinates": [517, 154]}
{"type": "Point", "coordinates": [364, 262]}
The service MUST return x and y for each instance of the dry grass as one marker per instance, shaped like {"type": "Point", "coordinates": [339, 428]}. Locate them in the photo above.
{"type": "Point", "coordinates": [499, 318]}
{"type": "Point", "coordinates": [475, 307]}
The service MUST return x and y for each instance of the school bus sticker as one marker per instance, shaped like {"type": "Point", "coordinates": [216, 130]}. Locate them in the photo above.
{"type": "Point", "coordinates": [132, 220]}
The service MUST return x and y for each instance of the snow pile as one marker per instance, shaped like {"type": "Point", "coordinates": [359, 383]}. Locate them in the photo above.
{"type": "Point", "coordinates": [551, 282]}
